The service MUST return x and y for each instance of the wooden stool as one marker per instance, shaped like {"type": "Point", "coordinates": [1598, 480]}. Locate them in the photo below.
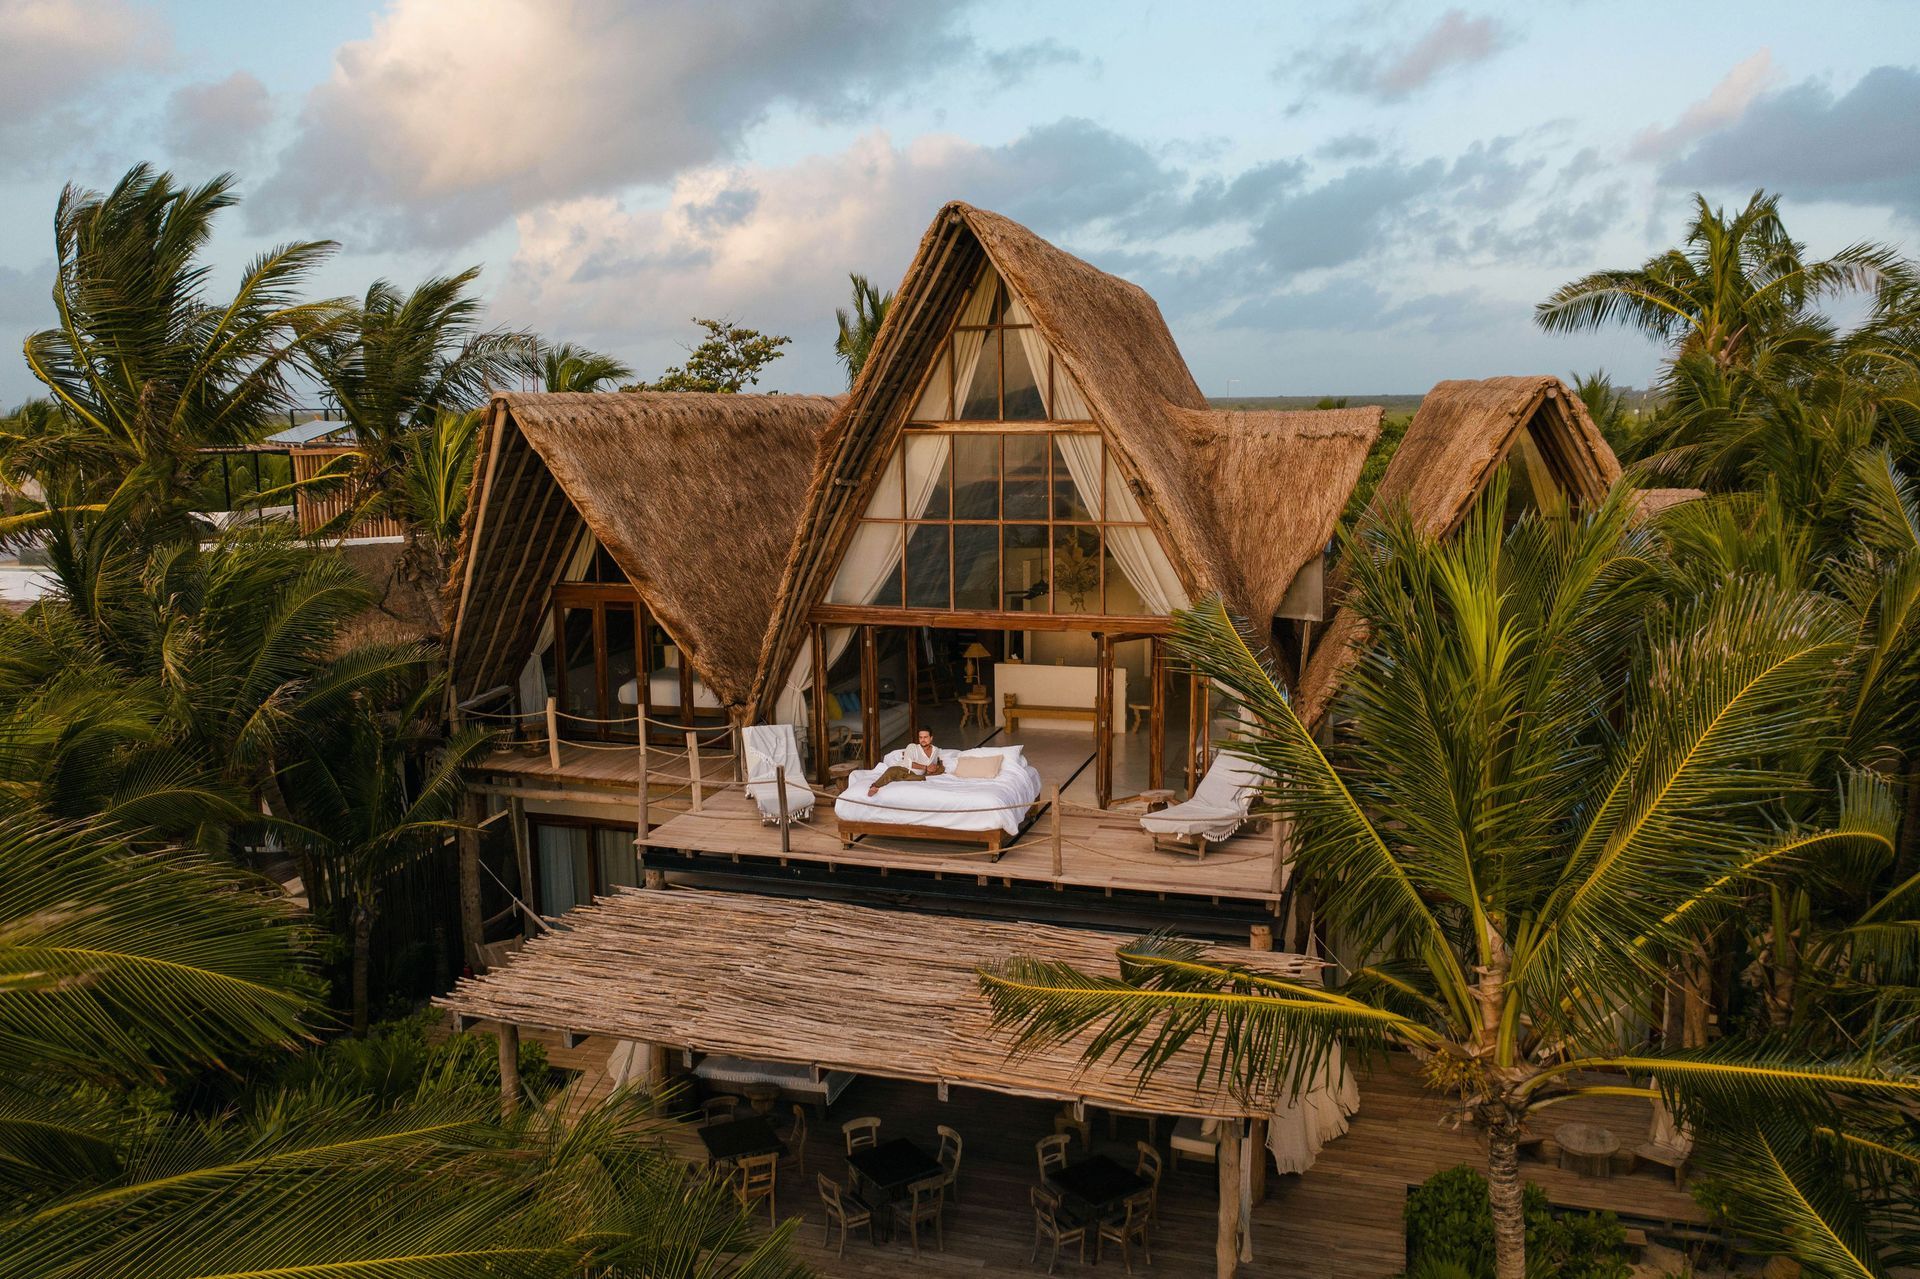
{"type": "Point", "coordinates": [840, 772]}
{"type": "Point", "coordinates": [1137, 713]}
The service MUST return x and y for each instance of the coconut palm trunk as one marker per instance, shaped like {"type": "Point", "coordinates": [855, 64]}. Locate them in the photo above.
{"type": "Point", "coordinates": [362, 961]}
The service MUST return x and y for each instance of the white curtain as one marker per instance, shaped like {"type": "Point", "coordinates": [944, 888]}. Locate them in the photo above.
{"type": "Point", "coordinates": [967, 346]}
{"type": "Point", "coordinates": [1297, 1131]}
{"type": "Point", "coordinates": [533, 676]}
{"type": "Point", "coordinates": [1136, 550]}
{"type": "Point", "coordinates": [1034, 347]}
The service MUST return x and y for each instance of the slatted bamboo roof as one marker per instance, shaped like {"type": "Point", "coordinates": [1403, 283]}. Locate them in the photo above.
{"type": "Point", "coordinates": [694, 495]}
{"type": "Point", "coordinates": [832, 986]}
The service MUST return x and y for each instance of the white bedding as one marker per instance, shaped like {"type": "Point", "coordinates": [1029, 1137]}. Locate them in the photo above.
{"type": "Point", "coordinates": [944, 801]}
{"type": "Point", "coordinates": [663, 689]}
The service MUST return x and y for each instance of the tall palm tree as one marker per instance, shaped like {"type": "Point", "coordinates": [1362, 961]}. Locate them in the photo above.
{"type": "Point", "coordinates": [398, 363]}
{"type": "Point", "coordinates": [567, 367]}
{"type": "Point", "coordinates": [146, 369]}
{"type": "Point", "coordinates": [1550, 787]}
{"type": "Point", "coordinates": [858, 328]}
{"type": "Point", "coordinates": [361, 816]}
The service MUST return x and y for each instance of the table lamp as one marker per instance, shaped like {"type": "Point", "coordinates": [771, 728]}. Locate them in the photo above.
{"type": "Point", "coordinates": [975, 651]}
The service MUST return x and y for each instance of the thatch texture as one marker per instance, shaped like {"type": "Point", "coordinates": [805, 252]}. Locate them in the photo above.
{"type": "Point", "coordinates": [1648, 503]}
{"type": "Point", "coordinates": [1461, 435]}
{"type": "Point", "coordinates": [694, 495]}
{"type": "Point", "coordinates": [829, 985]}
{"type": "Point", "coordinates": [1231, 522]}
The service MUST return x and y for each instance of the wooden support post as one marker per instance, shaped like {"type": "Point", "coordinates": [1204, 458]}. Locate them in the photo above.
{"type": "Point", "coordinates": [553, 734]}
{"type": "Point", "coordinates": [1282, 830]}
{"type": "Point", "coordinates": [522, 856]}
{"type": "Point", "coordinates": [693, 766]}
{"type": "Point", "coordinates": [1053, 806]}
{"type": "Point", "coordinates": [1226, 1240]}
{"type": "Point", "coordinates": [780, 785]}
{"type": "Point", "coordinates": [1259, 938]}
{"type": "Point", "coordinates": [646, 783]}
{"type": "Point", "coordinates": [507, 1037]}
{"type": "Point", "coordinates": [467, 847]}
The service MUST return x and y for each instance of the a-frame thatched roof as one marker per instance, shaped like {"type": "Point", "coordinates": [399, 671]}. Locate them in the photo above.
{"type": "Point", "coordinates": [1242, 500]}
{"type": "Point", "coordinates": [1462, 433]}
{"type": "Point", "coordinates": [694, 495]}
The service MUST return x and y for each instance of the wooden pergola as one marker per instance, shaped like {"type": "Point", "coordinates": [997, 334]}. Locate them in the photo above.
{"type": "Point", "coordinates": [832, 986]}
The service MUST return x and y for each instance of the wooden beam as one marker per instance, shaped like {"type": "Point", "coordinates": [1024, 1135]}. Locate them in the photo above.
{"type": "Point", "coordinates": [981, 620]}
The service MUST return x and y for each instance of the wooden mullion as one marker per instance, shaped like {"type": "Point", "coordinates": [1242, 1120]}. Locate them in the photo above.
{"type": "Point", "coordinates": [820, 762]}
{"type": "Point", "coordinates": [599, 615]}
{"type": "Point", "coordinates": [869, 694]}
{"type": "Point", "coordinates": [1157, 712]}
{"type": "Point", "coordinates": [964, 619]}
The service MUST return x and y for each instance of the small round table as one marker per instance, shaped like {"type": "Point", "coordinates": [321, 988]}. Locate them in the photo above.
{"type": "Point", "coordinates": [1137, 713]}
{"type": "Point", "coordinates": [1157, 799]}
{"type": "Point", "coordinates": [1587, 1149]}
{"type": "Point", "coordinates": [976, 707]}
{"type": "Point", "coordinates": [840, 772]}
{"type": "Point", "coordinates": [760, 1096]}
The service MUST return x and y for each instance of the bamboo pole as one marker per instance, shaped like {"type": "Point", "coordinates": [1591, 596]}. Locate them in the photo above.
{"type": "Point", "coordinates": [507, 1038]}
{"type": "Point", "coordinates": [780, 785]}
{"type": "Point", "coordinates": [1259, 938]}
{"type": "Point", "coordinates": [1053, 805]}
{"type": "Point", "coordinates": [553, 735]}
{"type": "Point", "coordinates": [693, 766]}
{"type": "Point", "coordinates": [467, 843]}
{"type": "Point", "coordinates": [1282, 831]}
{"type": "Point", "coordinates": [1226, 1239]}
{"type": "Point", "coordinates": [646, 782]}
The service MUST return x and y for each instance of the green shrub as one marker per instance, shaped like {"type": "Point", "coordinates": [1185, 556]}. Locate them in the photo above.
{"type": "Point", "coordinates": [1449, 1226]}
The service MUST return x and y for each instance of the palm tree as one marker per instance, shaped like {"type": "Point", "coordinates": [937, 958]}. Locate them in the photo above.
{"type": "Point", "coordinates": [120, 968]}
{"type": "Point", "coordinates": [567, 367]}
{"type": "Point", "coordinates": [1551, 786]}
{"type": "Point", "coordinates": [859, 328]}
{"type": "Point", "coordinates": [146, 371]}
{"type": "Point", "coordinates": [360, 815]}
{"type": "Point", "coordinates": [396, 365]}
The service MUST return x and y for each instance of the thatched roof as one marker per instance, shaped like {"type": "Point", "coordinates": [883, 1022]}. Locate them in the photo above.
{"type": "Point", "coordinates": [1461, 434]}
{"type": "Point", "coordinates": [1647, 503]}
{"type": "Point", "coordinates": [1243, 500]}
{"type": "Point", "coordinates": [829, 985]}
{"type": "Point", "coordinates": [694, 495]}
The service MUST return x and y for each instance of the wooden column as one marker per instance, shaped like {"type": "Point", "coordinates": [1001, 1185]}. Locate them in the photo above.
{"type": "Point", "coordinates": [467, 846]}
{"type": "Point", "coordinates": [1103, 711]}
{"type": "Point", "coordinates": [507, 1038]}
{"type": "Point", "coordinates": [693, 769]}
{"type": "Point", "coordinates": [553, 733]}
{"type": "Point", "coordinates": [1157, 713]}
{"type": "Point", "coordinates": [1053, 803]}
{"type": "Point", "coordinates": [1259, 938]}
{"type": "Point", "coordinates": [523, 857]}
{"type": "Point", "coordinates": [819, 704]}
{"type": "Point", "coordinates": [1226, 1240]}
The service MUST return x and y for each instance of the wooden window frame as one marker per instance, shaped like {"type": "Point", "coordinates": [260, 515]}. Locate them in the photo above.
{"type": "Point", "coordinates": [595, 888]}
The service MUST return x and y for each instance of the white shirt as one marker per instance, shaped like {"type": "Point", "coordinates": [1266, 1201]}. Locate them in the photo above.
{"type": "Point", "coordinates": [920, 760]}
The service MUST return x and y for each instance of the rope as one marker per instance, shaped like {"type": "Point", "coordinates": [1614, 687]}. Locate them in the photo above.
{"type": "Point", "coordinates": [531, 913]}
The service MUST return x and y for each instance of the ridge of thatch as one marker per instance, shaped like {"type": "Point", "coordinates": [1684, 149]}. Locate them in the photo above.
{"type": "Point", "coordinates": [1200, 481]}
{"type": "Point", "coordinates": [694, 495]}
{"type": "Point", "coordinates": [1457, 440]}
{"type": "Point", "coordinates": [1648, 503]}
{"type": "Point", "coordinates": [794, 981]}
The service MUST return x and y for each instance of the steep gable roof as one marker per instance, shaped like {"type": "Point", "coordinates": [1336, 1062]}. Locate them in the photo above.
{"type": "Point", "coordinates": [694, 496]}
{"type": "Point", "coordinates": [1219, 485]}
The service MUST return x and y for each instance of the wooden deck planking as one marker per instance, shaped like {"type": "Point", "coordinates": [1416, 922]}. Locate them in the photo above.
{"type": "Point", "coordinates": [1105, 851]}
{"type": "Point", "coordinates": [1340, 1220]}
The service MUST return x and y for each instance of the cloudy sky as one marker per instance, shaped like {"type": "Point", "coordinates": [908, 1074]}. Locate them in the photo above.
{"type": "Point", "coordinates": [1324, 199]}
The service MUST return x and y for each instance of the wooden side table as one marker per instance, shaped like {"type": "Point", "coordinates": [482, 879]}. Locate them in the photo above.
{"type": "Point", "coordinates": [1137, 713]}
{"type": "Point", "coordinates": [1157, 799]}
{"type": "Point", "coordinates": [840, 772]}
{"type": "Point", "coordinates": [976, 708]}
{"type": "Point", "coordinates": [1587, 1149]}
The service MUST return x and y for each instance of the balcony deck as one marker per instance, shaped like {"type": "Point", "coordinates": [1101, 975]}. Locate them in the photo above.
{"type": "Point", "coordinates": [609, 766]}
{"type": "Point", "coordinates": [1106, 852]}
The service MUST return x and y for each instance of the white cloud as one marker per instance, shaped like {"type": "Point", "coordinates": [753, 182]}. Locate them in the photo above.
{"type": "Point", "coordinates": [56, 50]}
{"type": "Point", "coordinates": [218, 122]}
{"type": "Point", "coordinates": [1391, 72]}
{"type": "Point", "coordinates": [455, 114]}
{"type": "Point", "coordinates": [1723, 105]}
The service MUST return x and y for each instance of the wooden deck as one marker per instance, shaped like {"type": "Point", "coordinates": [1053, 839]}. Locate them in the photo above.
{"type": "Point", "coordinates": [609, 766]}
{"type": "Point", "coordinates": [1101, 851]}
{"type": "Point", "coordinates": [1340, 1220]}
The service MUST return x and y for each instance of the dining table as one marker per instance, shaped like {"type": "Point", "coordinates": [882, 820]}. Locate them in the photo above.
{"type": "Point", "coordinates": [1096, 1186]}
{"type": "Point", "coordinates": [738, 1138]}
{"type": "Point", "coordinates": [883, 1174]}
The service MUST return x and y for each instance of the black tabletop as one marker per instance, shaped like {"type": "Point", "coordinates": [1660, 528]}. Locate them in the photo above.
{"type": "Point", "coordinates": [894, 1165]}
{"type": "Point", "coordinates": [1099, 1182]}
{"type": "Point", "coordinates": [737, 1138]}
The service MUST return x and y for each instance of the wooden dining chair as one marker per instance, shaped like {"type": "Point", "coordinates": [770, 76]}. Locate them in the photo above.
{"type": "Point", "coordinates": [1147, 1163]}
{"type": "Point", "coordinates": [797, 1140]}
{"type": "Point", "coordinates": [1052, 1152]}
{"type": "Point", "coordinates": [841, 1213]}
{"type": "Point", "coordinates": [1130, 1228]}
{"type": "Point", "coordinates": [719, 1108]}
{"type": "Point", "coordinates": [1048, 1228]}
{"type": "Point", "coordinates": [949, 1158]}
{"type": "Point", "coordinates": [756, 1177]}
{"type": "Point", "coordinates": [862, 1133]}
{"type": "Point", "coordinates": [926, 1200]}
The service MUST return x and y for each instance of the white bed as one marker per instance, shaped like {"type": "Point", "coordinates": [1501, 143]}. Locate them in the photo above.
{"type": "Point", "coordinates": [663, 689]}
{"type": "Point", "coordinates": [944, 806]}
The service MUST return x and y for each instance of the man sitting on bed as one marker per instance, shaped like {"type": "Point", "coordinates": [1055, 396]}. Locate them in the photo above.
{"type": "Point", "coordinates": [922, 762]}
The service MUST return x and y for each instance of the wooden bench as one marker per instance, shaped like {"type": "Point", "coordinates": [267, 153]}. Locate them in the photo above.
{"type": "Point", "coordinates": [1014, 712]}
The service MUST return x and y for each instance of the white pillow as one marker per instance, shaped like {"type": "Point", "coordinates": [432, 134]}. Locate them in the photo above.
{"type": "Point", "coordinates": [948, 758]}
{"type": "Point", "coordinates": [893, 758]}
{"type": "Point", "coordinates": [978, 765]}
{"type": "Point", "coordinates": [1004, 752]}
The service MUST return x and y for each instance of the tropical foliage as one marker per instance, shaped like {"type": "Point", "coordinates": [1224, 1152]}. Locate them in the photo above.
{"type": "Point", "coordinates": [729, 360]}
{"type": "Point", "coordinates": [859, 327]}
{"type": "Point", "coordinates": [1555, 781]}
{"type": "Point", "coordinates": [566, 367]}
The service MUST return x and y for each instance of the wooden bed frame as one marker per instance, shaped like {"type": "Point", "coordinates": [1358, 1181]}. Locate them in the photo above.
{"type": "Point", "coordinates": [991, 841]}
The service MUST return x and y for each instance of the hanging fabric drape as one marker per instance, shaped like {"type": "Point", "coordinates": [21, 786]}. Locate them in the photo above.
{"type": "Point", "coordinates": [968, 346]}
{"type": "Point", "coordinates": [1034, 347]}
{"type": "Point", "coordinates": [533, 689]}
{"type": "Point", "coordinates": [1136, 550]}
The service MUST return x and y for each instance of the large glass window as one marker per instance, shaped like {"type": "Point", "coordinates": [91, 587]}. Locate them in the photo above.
{"type": "Point", "coordinates": [995, 366]}
{"type": "Point", "coordinates": [1006, 522]}
{"type": "Point", "coordinates": [574, 862]}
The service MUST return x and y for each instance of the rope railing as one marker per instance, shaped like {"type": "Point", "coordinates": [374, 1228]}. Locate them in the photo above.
{"type": "Point", "coordinates": [577, 718]}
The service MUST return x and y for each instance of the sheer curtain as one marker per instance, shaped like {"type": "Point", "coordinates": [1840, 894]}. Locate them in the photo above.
{"type": "Point", "coordinates": [533, 676]}
{"type": "Point", "coordinates": [1136, 550]}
